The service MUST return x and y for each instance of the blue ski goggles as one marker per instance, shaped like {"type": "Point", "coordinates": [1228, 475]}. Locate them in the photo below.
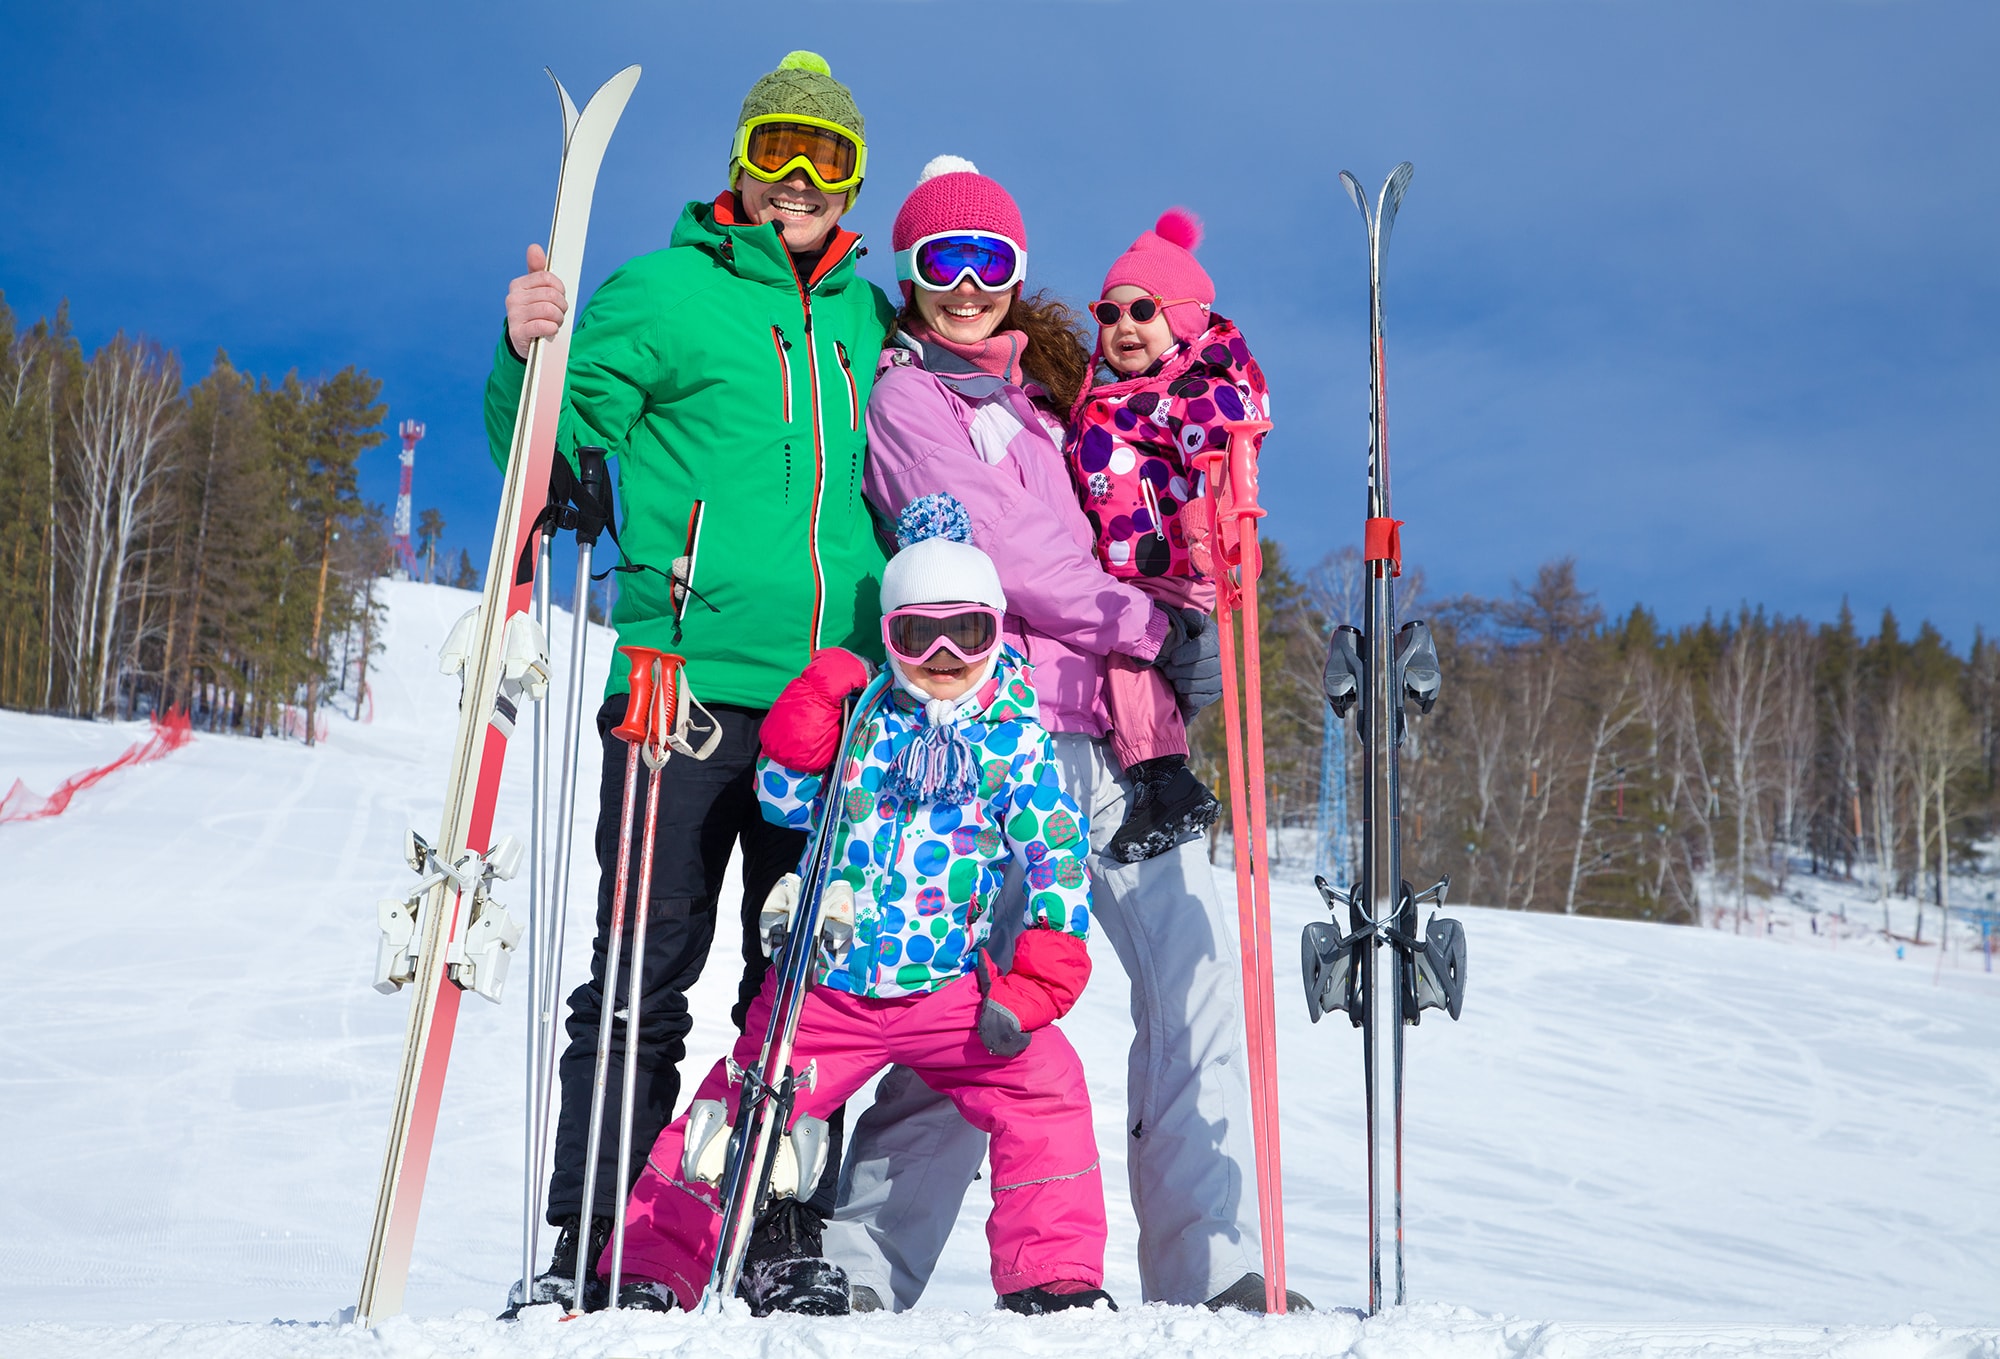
{"type": "Point", "coordinates": [940, 262]}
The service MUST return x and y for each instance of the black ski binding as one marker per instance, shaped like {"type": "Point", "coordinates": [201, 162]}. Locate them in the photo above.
{"type": "Point", "coordinates": [1335, 965]}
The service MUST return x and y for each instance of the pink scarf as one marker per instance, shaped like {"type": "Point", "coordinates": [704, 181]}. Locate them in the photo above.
{"type": "Point", "coordinates": [998, 354]}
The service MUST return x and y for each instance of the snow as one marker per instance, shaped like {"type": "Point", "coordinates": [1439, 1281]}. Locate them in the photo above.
{"type": "Point", "coordinates": [1653, 1141]}
{"type": "Point", "coordinates": [42, 753]}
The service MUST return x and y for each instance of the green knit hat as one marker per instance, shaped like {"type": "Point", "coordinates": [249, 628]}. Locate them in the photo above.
{"type": "Point", "coordinates": [803, 84]}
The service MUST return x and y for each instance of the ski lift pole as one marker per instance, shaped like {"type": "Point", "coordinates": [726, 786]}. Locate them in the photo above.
{"type": "Point", "coordinates": [1230, 492]}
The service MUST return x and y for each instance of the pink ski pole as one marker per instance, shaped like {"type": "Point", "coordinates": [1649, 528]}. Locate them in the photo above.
{"type": "Point", "coordinates": [1236, 565]}
{"type": "Point", "coordinates": [633, 731]}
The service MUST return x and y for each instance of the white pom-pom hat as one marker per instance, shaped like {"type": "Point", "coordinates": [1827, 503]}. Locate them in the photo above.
{"type": "Point", "coordinates": [938, 563]}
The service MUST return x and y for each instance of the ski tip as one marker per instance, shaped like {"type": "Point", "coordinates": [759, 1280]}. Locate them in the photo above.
{"type": "Point", "coordinates": [1355, 191]}
{"type": "Point", "coordinates": [1399, 181]}
{"type": "Point", "coordinates": [568, 104]}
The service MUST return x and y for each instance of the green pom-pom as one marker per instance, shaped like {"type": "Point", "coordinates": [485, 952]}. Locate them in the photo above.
{"type": "Point", "coordinates": [803, 60]}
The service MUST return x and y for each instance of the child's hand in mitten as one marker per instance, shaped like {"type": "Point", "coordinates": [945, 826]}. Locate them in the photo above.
{"type": "Point", "coordinates": [802, 730]}
{"type": "Point", "coordinates": [1050, 968]}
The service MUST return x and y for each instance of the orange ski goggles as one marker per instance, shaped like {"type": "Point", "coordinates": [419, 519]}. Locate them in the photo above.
{"type": "Point", "coordinates": [772, 145]}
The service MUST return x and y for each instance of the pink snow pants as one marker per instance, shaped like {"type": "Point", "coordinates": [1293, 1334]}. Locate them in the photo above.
{"type": "Point", "coordinates": [1048, 1197]}
{"type": "Point", "coordinates": [1145, 715]}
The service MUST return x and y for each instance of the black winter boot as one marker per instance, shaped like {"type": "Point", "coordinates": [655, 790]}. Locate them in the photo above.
{"type": "Point", "coordinates": [558, 1283]}
{"type": "Point", "coordinates": [644, 1295]}
{"type": "Point", "coordinates": [1247, 1295]}
{"type": "Point", "coordinates": [1169, 807]}
{"type": "Point", "coordinates": [783, 1270]}
{"type": "Point", "coordinates": [1034, 1302]}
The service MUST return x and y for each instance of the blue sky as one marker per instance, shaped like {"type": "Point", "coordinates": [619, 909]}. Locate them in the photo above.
{"type": "Point", "coordinates": [1701, 294]}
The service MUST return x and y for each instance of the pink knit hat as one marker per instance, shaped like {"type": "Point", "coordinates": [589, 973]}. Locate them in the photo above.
{"type": "Point", "coordinates": [951, 195]}
{"type": "Point", "coordinates": [1162, 262]}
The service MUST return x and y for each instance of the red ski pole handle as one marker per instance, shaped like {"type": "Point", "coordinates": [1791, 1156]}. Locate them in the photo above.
{"type": "Point", "coordinates": [1232, 470]}
{"type": "Point", "coordinates": [639, 693]}
{"type": "Point", "coordinates": [1243, 466]}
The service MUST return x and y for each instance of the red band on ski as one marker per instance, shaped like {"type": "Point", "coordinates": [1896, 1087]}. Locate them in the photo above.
{"type": "Point", "coordinates": [1384, 543]}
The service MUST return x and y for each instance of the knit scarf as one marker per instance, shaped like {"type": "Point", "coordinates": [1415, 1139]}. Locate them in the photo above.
{"type": "Point", "coordinates": [998, 354]}
{"type": "Point", "coordinates": [934, 762]}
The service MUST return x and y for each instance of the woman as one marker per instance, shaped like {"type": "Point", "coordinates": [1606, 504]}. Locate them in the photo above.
{"type": "Point", "coordinates": [966, 403]}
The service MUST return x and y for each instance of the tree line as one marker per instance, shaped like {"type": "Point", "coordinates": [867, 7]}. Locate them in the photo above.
{"type": "Point", "coordinates": [206, 547]}
{"type": "Point", "coordinates": [163, 545]}
{"type": "Point", "coordinates": [1581, 764]}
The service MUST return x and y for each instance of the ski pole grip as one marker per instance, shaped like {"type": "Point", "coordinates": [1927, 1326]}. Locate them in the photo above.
{"type": "Point", "coordinates": [639, 693]}
{"type": "Point", "coordinates": [666, 710]}
{"type": "Point", "coordinates": [1243, 466]}
{"type": "Point", "coordinates": [592, 495]}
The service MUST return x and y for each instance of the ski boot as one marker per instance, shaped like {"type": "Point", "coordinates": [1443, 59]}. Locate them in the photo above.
{"type": "Point", "coordinates": [1169, 806]}
{"type": "Point", "coordinates": [783, 1270]}
{"type": "Point", "coordinates": [1056, 1297]}
{"type": "Point", "coordinates": [557, 1284]}
{"type": "Point", "coordinates": [1247, 1295]}
{"type": "Point", "coordinates": [645, 1295]}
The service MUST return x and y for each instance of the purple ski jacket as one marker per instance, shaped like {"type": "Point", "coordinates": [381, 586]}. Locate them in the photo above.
{"type": "Point", "coordinates": [935, 423]}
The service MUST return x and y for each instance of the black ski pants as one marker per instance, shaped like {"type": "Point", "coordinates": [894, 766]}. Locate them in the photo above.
{"type": "Point", "coordinates": [706, 808]}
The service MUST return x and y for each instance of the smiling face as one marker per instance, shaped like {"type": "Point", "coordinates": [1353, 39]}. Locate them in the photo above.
{"type": "Point", "coordinates": [1130, 347]}
{"type": "Point", "coordinates": [802, 210]}
{"type": "Point", "coordinates": [965, 315]}
{"type": "Point", "coordinates": [942, 676]}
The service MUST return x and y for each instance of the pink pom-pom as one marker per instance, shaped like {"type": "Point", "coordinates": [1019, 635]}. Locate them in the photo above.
{"type": "Point", "coordinates": [1178, 226]}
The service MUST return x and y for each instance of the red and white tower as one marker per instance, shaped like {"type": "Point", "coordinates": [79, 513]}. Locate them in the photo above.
{"type": "Point", "coordinates": [406, 556]}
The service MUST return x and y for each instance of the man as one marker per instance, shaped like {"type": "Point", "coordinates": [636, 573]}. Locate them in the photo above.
{"type": "Point", "coordinates": [727, 374]}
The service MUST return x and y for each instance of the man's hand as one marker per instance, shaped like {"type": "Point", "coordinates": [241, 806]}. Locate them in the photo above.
{"type": "Point", "coordinates": [536, 303]}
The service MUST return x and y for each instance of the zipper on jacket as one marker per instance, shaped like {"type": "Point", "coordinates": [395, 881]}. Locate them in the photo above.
{"type": "Point", "coordinates": [1152, 499]}
{"type": "Point", "coordinates": [819, 449]}
{"type": "Point", "coordinates": [853, 392]}
{"type": "Point", "coordinates": [781, 344]}
{"type": "Point", "coordinates": [683, 573]}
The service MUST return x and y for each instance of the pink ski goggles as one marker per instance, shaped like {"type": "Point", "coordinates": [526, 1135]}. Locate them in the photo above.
{"type": "Point", "coordinates": [916, 632]}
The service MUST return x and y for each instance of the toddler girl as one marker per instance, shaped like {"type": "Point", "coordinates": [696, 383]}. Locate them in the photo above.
{"type": "Point", "coordinates": [1168, 373]}
{"type": "Point", "coordinates": [950, 777]}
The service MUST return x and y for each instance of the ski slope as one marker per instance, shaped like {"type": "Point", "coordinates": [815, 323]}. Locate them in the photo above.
{"type": "Point", "coordinates": [1640, 1140]}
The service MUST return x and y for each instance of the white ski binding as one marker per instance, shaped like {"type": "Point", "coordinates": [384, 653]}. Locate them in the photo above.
{"type": "Point", "coordinates": [836, 915]}
{"type": "Point", "coordinates": [798, 1160]}
{"type": "Point", "coordinates": [524, 667]}
{"type": "Point", "coordinates": [478, 960]}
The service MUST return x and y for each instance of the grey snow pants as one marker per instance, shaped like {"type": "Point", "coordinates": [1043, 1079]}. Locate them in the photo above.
{"type": "Point", "coordinates": [1188, 1148]}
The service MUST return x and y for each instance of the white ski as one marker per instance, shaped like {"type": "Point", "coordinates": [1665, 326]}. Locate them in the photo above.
{"type": "Point", "coordinates": [431, 951]}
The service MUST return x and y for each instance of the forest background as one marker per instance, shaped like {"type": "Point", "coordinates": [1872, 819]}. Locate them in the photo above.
{"type": "Point", "coordinates": [205, 547]}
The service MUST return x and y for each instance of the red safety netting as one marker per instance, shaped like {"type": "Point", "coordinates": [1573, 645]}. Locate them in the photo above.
{"type": "Point", "coordinates": [171, 731]}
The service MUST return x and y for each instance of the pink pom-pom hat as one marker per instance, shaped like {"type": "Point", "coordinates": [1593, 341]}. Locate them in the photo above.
{"type": "Point", "coordinates": [951, 195]}
{"type": "Point", "coordinates": [1162, 262]}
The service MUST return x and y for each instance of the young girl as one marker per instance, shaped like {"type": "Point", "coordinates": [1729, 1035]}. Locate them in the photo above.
{"type": "Point", "coordinates": [950, 778]}
{"type": "Point", "coordinates": [1169, 373]}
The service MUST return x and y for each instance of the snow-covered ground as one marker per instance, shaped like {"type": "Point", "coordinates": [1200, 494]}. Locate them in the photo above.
{"type": "Point", "coordinates": [1644, 1140]}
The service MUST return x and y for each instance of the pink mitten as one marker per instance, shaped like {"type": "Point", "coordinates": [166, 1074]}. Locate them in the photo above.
{"type": "Point", "coordinates": [1049, 972]}
{"type": "Point", "coordinates": [802, 730]}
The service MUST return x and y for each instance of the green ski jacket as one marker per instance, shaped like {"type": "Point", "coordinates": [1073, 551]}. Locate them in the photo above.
{"type": "Point", "coordinates": [731, 396]}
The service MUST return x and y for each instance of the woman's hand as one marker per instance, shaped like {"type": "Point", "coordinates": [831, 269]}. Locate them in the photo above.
{"type": "Point", "coordinates": [536, 303]}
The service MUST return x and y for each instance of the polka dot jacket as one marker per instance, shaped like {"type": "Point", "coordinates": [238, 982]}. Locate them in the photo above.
{"type": "Point", "coordinates": [927, 874]}
{"type": "Point", "coordinates": [1132, 444]}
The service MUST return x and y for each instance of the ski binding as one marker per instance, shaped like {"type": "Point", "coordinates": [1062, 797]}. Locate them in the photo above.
{"type": "Point", "coordinates": [478, 960]}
